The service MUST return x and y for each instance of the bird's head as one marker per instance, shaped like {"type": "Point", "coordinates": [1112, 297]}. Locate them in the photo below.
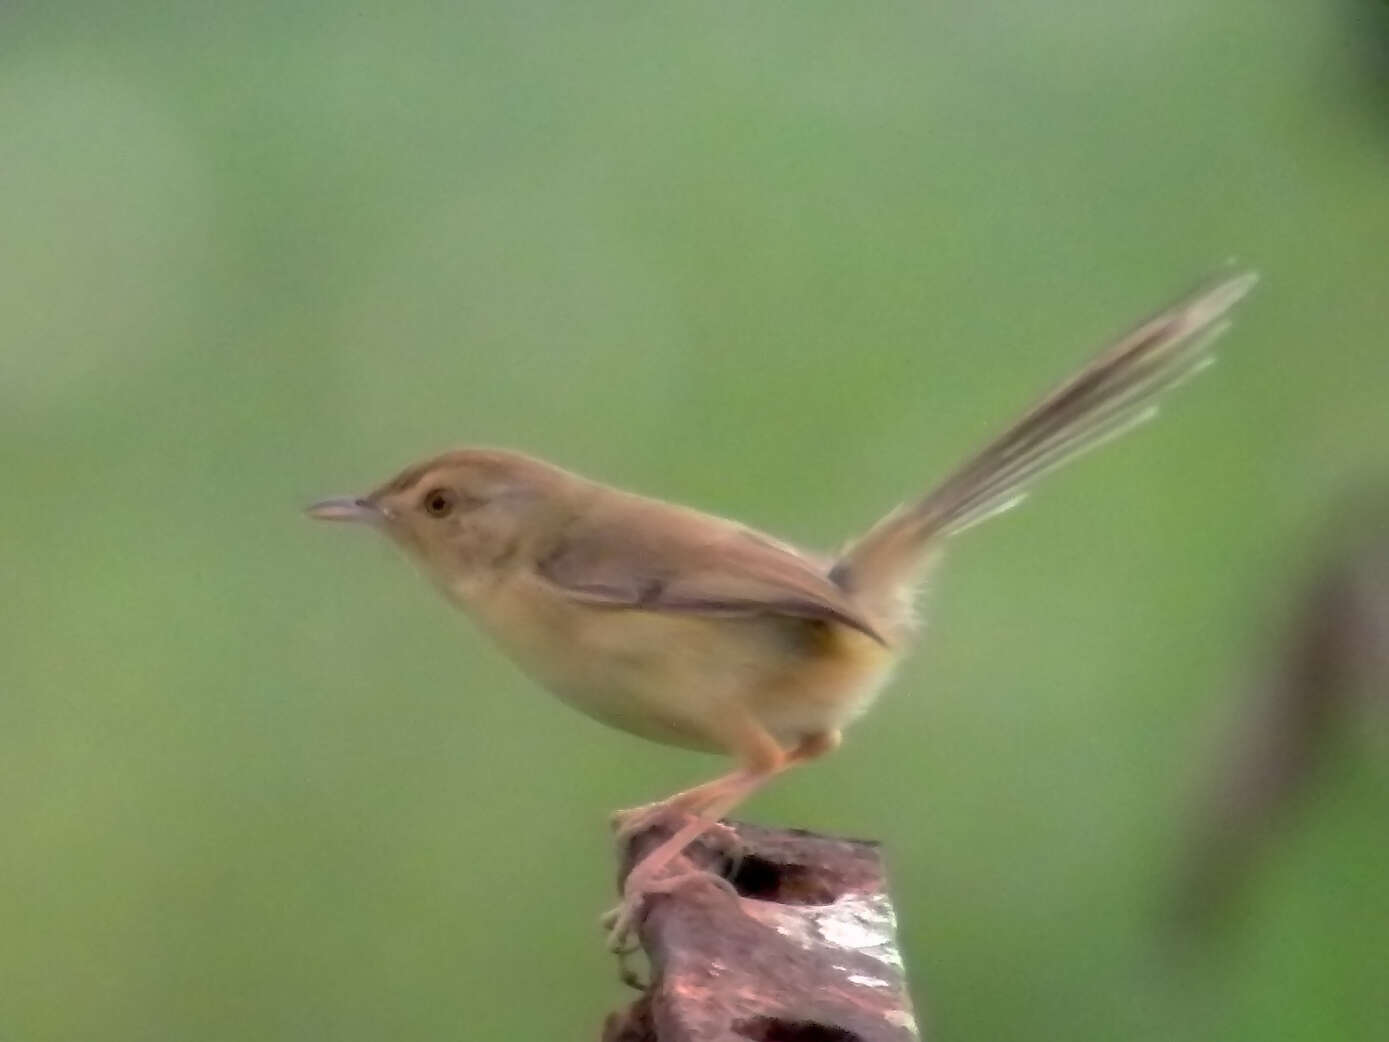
{"type": "Point", "coordinates": [465, 515]}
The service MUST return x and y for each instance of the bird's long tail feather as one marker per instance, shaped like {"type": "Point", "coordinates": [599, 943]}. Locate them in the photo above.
{"type": "Point", "coordinates": [1114, 393]}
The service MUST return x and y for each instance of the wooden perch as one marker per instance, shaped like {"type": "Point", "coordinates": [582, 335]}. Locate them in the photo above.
{"type": "Point", "coordinates": [806, 953]}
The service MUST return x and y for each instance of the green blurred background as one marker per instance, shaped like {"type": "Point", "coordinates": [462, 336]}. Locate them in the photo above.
{"type": "Point", "coordinates": [786, 261]}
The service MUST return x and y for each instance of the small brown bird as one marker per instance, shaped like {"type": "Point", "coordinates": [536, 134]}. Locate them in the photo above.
{"type": "Point", "coordinates": [695, 631]}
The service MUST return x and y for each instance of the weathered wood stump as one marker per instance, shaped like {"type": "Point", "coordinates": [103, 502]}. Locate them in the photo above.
{"type": "Point", "coordinates": [806, 953]}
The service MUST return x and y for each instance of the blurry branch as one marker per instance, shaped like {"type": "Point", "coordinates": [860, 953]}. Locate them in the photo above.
{"type": "Point", "coordinates": [1332, 667]}
{"type": "Point", "coordinates": [806, 951]}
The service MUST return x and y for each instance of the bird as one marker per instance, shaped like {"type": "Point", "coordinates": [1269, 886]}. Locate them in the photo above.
{"type": "Point", "coordinates": [696, 631]}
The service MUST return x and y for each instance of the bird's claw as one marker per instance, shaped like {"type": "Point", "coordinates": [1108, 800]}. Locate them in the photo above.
{"type": "Point", "coordinates": [620, 920]}
{"type": "Point", "coordinates": [627, 823]}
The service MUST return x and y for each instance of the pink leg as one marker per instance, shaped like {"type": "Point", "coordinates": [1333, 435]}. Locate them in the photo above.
{"type": "Point", "coordinates": [717, 798]}
{"type": "Point", "coordinates": [689, 801]}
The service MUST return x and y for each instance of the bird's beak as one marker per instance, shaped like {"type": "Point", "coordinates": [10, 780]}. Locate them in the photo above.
{"type": "Point", "coordinates": [346, 509]}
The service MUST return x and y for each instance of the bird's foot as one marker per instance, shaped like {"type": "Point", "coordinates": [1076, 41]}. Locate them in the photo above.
{"type": "Point", "coordinates": [621, 919]}
{"type": "Point", "coordinates": [627, 823]}
{"type": "Point", "coordinates": [723, 839]}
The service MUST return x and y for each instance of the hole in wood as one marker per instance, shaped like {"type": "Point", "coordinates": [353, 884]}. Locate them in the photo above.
{"type": "Point", "coordinates": [777, 1029]}
{"type": "Point", "coordinates": [765, 880]}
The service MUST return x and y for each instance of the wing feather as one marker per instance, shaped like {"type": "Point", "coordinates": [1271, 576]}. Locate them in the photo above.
{"type": "Point", "coordinates": [643, 555]}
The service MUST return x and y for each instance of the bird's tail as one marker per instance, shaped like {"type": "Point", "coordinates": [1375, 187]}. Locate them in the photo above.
{"type": "Point", "coordinates": [1115, 392]}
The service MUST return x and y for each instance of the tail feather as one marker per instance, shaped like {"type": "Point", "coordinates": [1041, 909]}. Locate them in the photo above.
{"type": "Point", "coordinates": [1114, 393]}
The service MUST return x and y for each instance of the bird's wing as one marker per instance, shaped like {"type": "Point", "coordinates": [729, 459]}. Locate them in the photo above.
{"type": "Point", "coordinates": [653, 557]}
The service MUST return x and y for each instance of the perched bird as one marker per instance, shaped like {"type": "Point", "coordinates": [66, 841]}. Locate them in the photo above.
{"type": "Point", "coordinates": [695, 631]}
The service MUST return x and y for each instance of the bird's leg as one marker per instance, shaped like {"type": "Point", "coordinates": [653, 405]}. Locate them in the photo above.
{"type": "Point", "coordinates": [690, 801]}
{"type": "Point", "coordinates": [743, 736]}
{"type": "Point", "coordinates": [812, 747]}
{"type": "Point", "coordinates": [763, 759]}
{"type": "Point", "coordinates": [632, 820]}
{"type": "Point", "coordinates": [644, 877]}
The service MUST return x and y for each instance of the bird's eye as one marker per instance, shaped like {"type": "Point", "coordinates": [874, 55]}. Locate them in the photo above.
{"type": "Point", "coordinates": [439, 502]}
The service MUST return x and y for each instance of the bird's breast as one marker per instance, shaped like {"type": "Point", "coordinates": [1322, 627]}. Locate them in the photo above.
{"type": "Point", "coordinates": [668, 676]}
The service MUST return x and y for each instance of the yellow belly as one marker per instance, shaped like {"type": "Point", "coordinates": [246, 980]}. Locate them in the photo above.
{"type": "Point", "coordinates": [667, 677]}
